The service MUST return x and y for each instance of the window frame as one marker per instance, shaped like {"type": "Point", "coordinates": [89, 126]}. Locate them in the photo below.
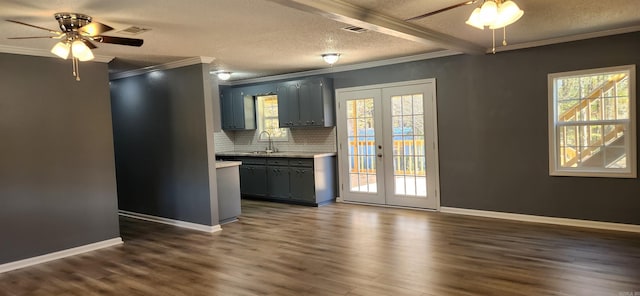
{"type": "Point", "coordinates": [631, 145]}
{"type": "Point", "coordinates": [260, 118]}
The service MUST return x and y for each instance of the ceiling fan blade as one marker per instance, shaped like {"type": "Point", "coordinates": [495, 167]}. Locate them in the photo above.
{"type": "Point", "coordinates": [89, 43]}
{"type": "Point", "coordinates": [441, 10]}
{"type": "Point", "coordinates": [95, 29]}
{"type": "Point", "coordinates": [34, 26]}
{"type": "Point", "coordinates": [34, 37]}
{"type": "Point", "coordinates": [119, 40]}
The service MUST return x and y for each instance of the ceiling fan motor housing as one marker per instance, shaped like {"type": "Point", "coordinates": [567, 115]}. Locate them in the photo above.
{"type": "Point", "coordinates": [70, 22]}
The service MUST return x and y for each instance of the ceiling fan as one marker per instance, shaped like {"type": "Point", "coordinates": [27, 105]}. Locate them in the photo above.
{"type": "Point", "coordinates": [77, 36]}
{"type": "Point", "coordinates": [495, 14]}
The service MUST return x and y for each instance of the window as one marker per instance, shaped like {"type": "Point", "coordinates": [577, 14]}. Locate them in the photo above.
{"type": "Point", "coordinates": [268, 119]}
{"type": "Point", "coordinates": [592, 123]}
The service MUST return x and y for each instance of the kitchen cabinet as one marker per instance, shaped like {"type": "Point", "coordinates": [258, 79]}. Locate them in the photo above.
{"type": "Point", "coordinates": [253, 176]}
{"type": "Point", "coordinates": [306, 103]}
{"type": "Point", "coordinates": [238, 110]}
{"type": "Point", "coordinates": [278, 179]}
{"type": "Point", "coordinates": [307, 181]}
{"type": "Point", "coordinates": [302, 184]}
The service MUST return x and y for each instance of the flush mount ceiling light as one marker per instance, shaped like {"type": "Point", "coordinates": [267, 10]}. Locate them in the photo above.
{"type": "Point", "coordinates": [495, 14]}
{"type": "Point", "coordinates": [331, 58]}
{"type": "Point", "coordinates": [77, 32]}
{"type": "Point", "coordinates": [224, 75]}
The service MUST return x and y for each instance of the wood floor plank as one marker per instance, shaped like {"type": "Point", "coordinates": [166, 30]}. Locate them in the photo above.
{"type": "Point", "coordinates": [342, 249]}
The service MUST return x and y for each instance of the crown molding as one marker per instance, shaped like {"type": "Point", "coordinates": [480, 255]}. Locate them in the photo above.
{"type": "Point", "coordinates": [567, 39]}
{"type": "Point", "coordinates": [334, 69]}
{"type": "Point", "coordinates": [45, 53]}
{"type": "Point", "coordinates": [167, 66]}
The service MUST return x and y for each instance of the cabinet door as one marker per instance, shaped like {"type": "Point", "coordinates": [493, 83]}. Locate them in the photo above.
{"type": "Point", "coordinates": [278, 182]}
{"type": "Point", "coordinates": [303, 184]}
{"type": "Point", "coordinates": [311, 103]}
{"type": "Point", "coordinates": [288, 114]}
{"type": "Point", "coordinates": [238, 109]}
{"type": "Point", "coordinates": [226, 106]}
{"type": "Point", "coordinates": [253, 180]}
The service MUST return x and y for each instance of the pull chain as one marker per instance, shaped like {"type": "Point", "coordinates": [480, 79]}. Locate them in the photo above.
{"type": "Point", "coordinates": [504, 36]}
{"type": "Point", "coordinates": [77, 70]}
{"type": "Point", "coordinates": [73, 63]}
{"type": "Point", "coordinates": [493, 33]}
{"type": "Point", "coordinates": [76, 67]}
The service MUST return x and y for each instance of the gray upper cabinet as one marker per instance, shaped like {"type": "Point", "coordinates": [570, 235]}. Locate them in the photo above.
{"type": "Point", "coordinates": [288, 104]}
{"type": "Point", "coordinates": [238, 110]}
{"type": "Point", "coordinates": [306, 103]}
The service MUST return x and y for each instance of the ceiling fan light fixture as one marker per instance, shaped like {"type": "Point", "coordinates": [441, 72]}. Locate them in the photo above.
{"type": "Point", "coordinates": [508, 13]}
{"type": "Point", "coordinates": [62, 49]}
{"type": "Point", "coordinates": [224, 75]}
{"type": "Point", "coordinates": [331, 58]}
{"type": "Point", "coordinates": [81, 51]}
{"type": "Point", "coordinates": [488, 12]}
{"type": "Point", "coordinates": [474, 19]}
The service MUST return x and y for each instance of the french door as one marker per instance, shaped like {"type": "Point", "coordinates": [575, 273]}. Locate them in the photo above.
{"type": "Point", "coordinates": [387, 144]}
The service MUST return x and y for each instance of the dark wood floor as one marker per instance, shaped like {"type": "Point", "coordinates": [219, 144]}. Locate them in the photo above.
{"type": "Point", "coordinates": [341, 249]}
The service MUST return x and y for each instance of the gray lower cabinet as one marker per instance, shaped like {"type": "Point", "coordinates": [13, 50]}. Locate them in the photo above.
{"type": "Point", "coordinates": [302, 184]}
{"type": "Point", "coordinates": [308, 181]}
{"type": "Point", "coordinates": [253, 179]}
{"type": "Point", "coordinates": [278, 181]}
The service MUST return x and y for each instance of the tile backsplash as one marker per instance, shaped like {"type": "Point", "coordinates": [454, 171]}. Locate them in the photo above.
{"type": "Point", "coordinates": [223, 141]}
{"type": "Point", "coordinates": [304, 139]}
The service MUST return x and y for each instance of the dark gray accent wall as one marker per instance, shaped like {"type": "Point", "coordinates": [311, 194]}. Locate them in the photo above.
{"type": "Point", "coordinates": [492, 126]}
{"type": "Point", "coordinates": [57, 175]}
{"type": "Point", "coordinates": [160, 139]}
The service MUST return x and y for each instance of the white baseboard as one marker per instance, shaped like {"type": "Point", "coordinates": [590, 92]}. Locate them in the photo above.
{"type": "Point", "coordinates": [178, 223]}
{"type": "Point", "coordinates": [59, 255]}
{"type": "Point", "coordinates": [544, 219]}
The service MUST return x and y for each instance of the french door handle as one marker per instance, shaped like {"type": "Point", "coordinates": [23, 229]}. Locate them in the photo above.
{"type": "Point", "coordinates": [380, 155]}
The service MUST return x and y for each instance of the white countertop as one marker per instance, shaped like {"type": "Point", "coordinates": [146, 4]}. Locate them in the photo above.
{"type": "Point", "coordinates": [225, 164]}
{"type": "Point", "coordinates": [286, 154]}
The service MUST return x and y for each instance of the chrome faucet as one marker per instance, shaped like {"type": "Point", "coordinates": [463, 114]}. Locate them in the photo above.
{"type": "Point", "coordinates": [270, 147]}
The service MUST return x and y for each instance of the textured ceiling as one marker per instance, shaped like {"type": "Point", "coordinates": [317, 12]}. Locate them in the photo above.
{"type": "Point", "coordinates": [256, 38]}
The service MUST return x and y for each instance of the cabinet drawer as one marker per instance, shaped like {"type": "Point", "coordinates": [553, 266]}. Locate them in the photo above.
{"type": "Point", "coordinates": [278, 161]}
{"type": "Point", "coordinates": [303, 162]}
{"type": "Point", "coordinates": [253, 160]}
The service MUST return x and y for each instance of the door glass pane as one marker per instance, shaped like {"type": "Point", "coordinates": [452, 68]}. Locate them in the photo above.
{"type": "Point", "coordinates": [361, 142]}
{"type": "Point", "coordinates": [409, 162]}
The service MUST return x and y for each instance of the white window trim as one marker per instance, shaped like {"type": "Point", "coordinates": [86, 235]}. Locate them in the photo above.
{"type": "Point", "coordinates": [554, 168]}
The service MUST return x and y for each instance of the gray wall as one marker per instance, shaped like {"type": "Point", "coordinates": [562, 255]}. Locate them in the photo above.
{"type": "Point", "coordinates": [160, 134]}
{"type": "Point", "coordinates": [492, 126]}
{"type": "Point", "coordinates": [57, 177]}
